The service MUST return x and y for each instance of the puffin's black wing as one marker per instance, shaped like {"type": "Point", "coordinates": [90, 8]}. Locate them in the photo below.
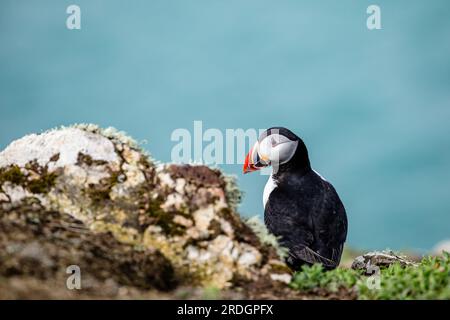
{"type": "Point", "coordinates": [310, 220]}
{"type": "Point", "coordinates": [330, 224]}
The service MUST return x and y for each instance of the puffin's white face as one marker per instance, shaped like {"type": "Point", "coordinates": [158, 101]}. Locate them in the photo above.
{"type": "Point", "coordinates": [274, 149]}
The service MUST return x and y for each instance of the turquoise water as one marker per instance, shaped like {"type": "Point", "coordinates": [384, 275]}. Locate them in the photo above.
{"type": "Point", "coordinates": [372, 106]}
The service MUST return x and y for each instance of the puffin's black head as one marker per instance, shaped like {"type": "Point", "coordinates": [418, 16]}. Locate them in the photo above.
{"type": "Point", "coordinates": [278, 147]}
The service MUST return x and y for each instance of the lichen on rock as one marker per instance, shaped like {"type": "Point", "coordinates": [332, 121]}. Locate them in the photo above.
{"type": "Point", "coordinates": [103, 179]}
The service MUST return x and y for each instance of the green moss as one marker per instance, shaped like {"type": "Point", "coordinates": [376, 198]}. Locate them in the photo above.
{"type": "Point", "coordinates": [210, 293]}
{"type": "Point", "coordinates": [43, 184]}
{"type": "Point", "coordinates": [215, 228]}
{"type": "Point", "coordinates": [280, 268]}
{"type": "Point", "coordinates": [101, 192]}
{"type": "Point", "coordinates": [315, 277]}
{"type": "Point", "coordinates": [12, 174]}
{"type": "Point", "coordinates": [429, 280]}
{"type": "Point", "coordinates": [165, 221]}
{"type": "Point", "coordinates": [159, 217]}
{"type": "Point", "coordinates": [87, 159]}
{"type": "Point", "coordinates": [97, 196]}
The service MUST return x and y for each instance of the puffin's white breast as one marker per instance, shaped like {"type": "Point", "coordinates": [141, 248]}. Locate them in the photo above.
{"type": "Point", "coordinates": [270, 185]}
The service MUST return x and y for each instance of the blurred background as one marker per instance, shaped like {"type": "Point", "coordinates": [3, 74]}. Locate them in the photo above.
{"type": "Point", "coordinates": [372, 106]}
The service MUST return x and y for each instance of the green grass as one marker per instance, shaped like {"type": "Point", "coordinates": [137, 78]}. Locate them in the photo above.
{"type": "Point", "coordinates": [429, 280]}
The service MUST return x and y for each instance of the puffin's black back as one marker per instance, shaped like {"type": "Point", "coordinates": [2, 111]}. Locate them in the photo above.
{"type": "Point", "coordinates": [306, 212]}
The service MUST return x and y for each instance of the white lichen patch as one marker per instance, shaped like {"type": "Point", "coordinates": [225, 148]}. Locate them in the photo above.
{"type": "Point", "coordinates": [174, 202]}
{"type": "Point", "coordinates": [183, 221]}
{"type": "Point", "coordinates": [15, 193]}
{"type": "Point", "coordinates": [180, 184]}
{"type": "Point", "coordinates": [68, 143]}
{"type": "Point", "coordinates": [284, 277]}
{"type": "Point", "coordinates": [120, 138]}
{"type": "Point", "coordinates": [94, 175]}
{"type": "Point", "coordinates": [165, 179]}
{"type": "Point", "coordinates": [3, 197]}
{"type": "Point", "coordinates": [249, 256]}
{"type": "Point", "coordinates": [226, 227]}
{"type": "Point", "coordinates": [134, 175]}
{"type": "Point", "coordinates": [203, 218]}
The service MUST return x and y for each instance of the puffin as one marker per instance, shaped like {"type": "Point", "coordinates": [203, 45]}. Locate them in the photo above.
{"type": "Point", "coordinates": [301, 208]}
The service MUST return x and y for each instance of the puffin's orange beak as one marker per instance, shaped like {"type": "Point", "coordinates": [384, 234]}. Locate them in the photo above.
{"type": "Point", "coordinates": [252, 161]}
{"type": "Point", "coordinates": [248, 163]}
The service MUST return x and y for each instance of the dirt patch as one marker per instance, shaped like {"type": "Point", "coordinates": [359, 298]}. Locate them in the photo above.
{"type": "Point", "coordinates": [41, 245]}
{"type": "Point", "coordinates": [199, 175]}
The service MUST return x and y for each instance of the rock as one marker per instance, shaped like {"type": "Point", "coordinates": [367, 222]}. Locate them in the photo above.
{"type": "Point", "coordinates": [440, 247]}
{"type": "Point", "coordinates": [285, 278]}
{"type": "Point", "coordinates": [38, 244]}
{"type": "Point", "coordinates": [102, 180]}
{"type": "Point", "coordinates": [380, 259]}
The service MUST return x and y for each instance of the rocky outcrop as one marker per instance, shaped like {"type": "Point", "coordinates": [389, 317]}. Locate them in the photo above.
{"type": "Point", "coordinates": [90, 195]}
{"type": "Point", "coordinates": [382, 259]}
{"type": "Point", "coordinates": [441, 247]}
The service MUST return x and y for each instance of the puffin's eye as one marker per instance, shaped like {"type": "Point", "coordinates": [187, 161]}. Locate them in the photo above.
{"type": "Point", "coordinates": [256, 158]}
{"type": "Point", "coordinates": [258, 162]}
{"type": "Point", "coordinates": [262, 161]}
{"type": "Point", "coordinates": [273, 141]}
